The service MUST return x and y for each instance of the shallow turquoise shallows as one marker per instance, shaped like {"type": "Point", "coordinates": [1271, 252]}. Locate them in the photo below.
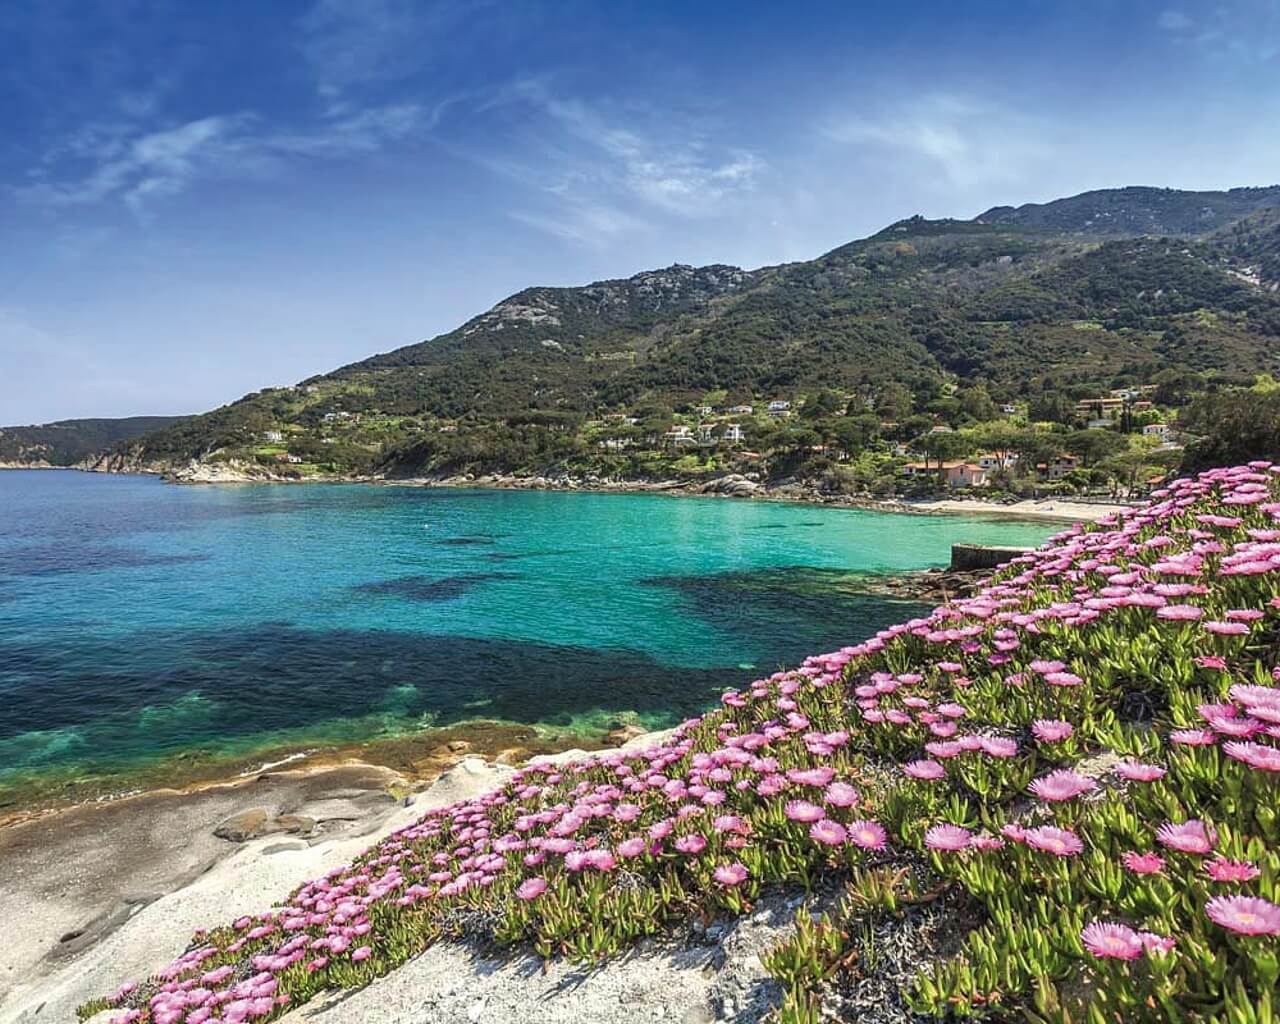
{"type": "Point", "coordinates": [140, 620]}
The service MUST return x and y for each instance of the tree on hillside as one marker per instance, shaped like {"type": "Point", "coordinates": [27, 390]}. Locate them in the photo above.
{"type": "Point", "coordinates": [976, 403]}
{"type": "Point", "coordinates": [1231, 427]}
{"type": "Point", "coordinates": [1094, 445]}
{"type": "Point", "coordinates": [1051, 407]}
{"type": "Point", "coordinates": [893, 402]}
{"type": "Point", "coordinates": [942, 446]}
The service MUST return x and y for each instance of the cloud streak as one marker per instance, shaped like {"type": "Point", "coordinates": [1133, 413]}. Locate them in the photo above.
{"type": "Point", "coordinates": [137, 167]}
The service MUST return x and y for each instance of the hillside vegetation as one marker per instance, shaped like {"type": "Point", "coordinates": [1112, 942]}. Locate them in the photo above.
{"type": "Point", "coordinates": [1075, 772]}
{"type": "Point", "coordinates": [67, 442]}
{"type": "Point", "coordinates": [1029, 306]}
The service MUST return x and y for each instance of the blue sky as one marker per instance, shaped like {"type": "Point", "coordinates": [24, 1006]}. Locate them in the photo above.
{"type": "Point", "coordinates": [201, 199]}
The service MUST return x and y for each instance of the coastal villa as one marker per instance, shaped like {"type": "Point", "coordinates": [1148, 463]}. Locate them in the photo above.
{"type": "Point", "coordinates": [1160, 431]}
{"type": "Point", "coordinates": [742, 410]}
{"type": "Point", "coordinates": [955, 474]}
{"type": "Point", "coordinates": [1057, 468]}
{"type": "Point", "coordinates": [679, 437]}
{"type": "Point", "coordinates": [733, 434]}
{"type": "Point", "coordinates": [1009, 409]}
{"type": "Point", "coordinates": [941, 428]}
{"type": "Point", "coordinates": [991, 461]}
{"type": "Point", "coordinates": [706, 433]}
{"type": "Point", "coordinates": [285, 457]}
{"type": "Point", "coordinates": [704, 410]}
{"type": "Point", "coordinates": [1100, 411]}
{"type": "Point", "coordinates": [272, 436]}
{"type": "Point", "coordinates": [616, 444]}
{"type": "Point", "coordinates": [779, 410]}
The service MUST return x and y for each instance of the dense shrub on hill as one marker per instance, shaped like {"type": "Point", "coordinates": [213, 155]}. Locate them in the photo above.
{"type": "Point", "coordinates": [1085, 755]}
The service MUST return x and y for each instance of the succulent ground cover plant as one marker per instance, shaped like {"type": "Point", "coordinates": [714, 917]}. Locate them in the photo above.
{"type": "Point", "coordinates": [1084, 757]}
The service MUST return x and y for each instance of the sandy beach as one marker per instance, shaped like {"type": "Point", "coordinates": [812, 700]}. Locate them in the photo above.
{"type": "Point", "coordinates": [1059, 509]}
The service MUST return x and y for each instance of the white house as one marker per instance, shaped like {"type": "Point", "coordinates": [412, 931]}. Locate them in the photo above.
{"type": "Point", "coordinates": [733, 434]}
{"type": "Point", "coordinates": [272, 436]}
{"type": "Point", "coordinates": [990, 461]}
{"type": "Point", "coordinates": [1160, 431]}
{"type": "Point", "coordinates": [742, 410]}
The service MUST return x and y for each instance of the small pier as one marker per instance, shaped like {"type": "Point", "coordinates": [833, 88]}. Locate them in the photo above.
{"type": "Point", "coordinates": [972, 557]}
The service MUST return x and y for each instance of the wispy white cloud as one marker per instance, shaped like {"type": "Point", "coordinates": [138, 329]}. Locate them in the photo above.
{"type": "Point", "coordinates": [595, 171]}
{"type": "Point", "coordinates": [968, 142]}
{"type": "Point", "coordinates": [584, 223]}
{"type": "Point", "coordinates": [136, 166]}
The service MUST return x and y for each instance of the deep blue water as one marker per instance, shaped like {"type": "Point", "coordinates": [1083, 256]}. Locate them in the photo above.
{"type": "Point", "coordinates": [139, 620]}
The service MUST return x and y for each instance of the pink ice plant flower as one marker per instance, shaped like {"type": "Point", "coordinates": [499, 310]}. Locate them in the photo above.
{"type": "Point", "coordinates": [1060, 842]}
{"type": "Point", "coordinates": [1188, 837]}
{"type": "Point", "coordinates": [869, 835]}
{"type": "Point", "coordinates": [925, 770]}
{"type": "Point", "coordinates": [730, 875]}
{"type": "Point", "coordinates": [1136, 771]}
{"type": "Point", "coordinates": [803, 811]}
{"type": "Point", "coordinates": [948, 838]}
{"type": "Point", "coordinates": [1222, 870]}
{"type": "Point", "coordinates": [1061, 785]}
{"type": "Point", "coordinates": [1051, 730]}
{"type": "Point", "coordinates": [1245, 915]}
{"type": "Point", "coordinates": [828, 832]}
{"type": "Point", "coordinates": [1143, 863]}
{"type": "Point", "coordinates": [1108, 940]}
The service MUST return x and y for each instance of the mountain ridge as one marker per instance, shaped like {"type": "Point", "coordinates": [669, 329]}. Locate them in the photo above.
{"type": "Point", "coordinates": [1021, 300]}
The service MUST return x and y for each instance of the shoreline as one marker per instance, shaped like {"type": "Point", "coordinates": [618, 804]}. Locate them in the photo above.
{"type": "Point", "coordinates": [1063, 510]}
{"type": "Point", "coordinates": [100, 893]}
{"type": "Point", "coordinates": [417, 757]}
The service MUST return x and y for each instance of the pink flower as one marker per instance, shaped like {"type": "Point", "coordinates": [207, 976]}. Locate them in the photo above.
{"type": "Point", "coordinates": [1211, 661]}
{"type": "Point", "coordinates": [1060, 842]}
{"type": "Point", "coordinates": [1061, 785]}
{"type": "Point", "coordinates": [1051, 730]}
{"type": "Point", "coordinates": [947, 837]}
{"type": "Point", "coordinates": [1157, 945]}
{"type": "Point", "coordinates": [1107, 940]}
{"type": "Point", "coordinates": [363, 953]}
{"type": "Point", "coordinates": [1247, 915]}
{"type": "Point", "coordinates": [1193, 737]}
{"type": "Point", "coordinates": [1255, 755]}
{"type": "Point", "coordinates": [1143, 863]}
{"type": "Point", "coordinates": [1135, 771]}
{"type": "Point", "coordinates": [632, 847]}
{"type": "Point", "coordinates": [691, 844]}
{"type": "Point", "coordinates": [998, 746]}
{"type": "Point", "coordinates": [1188, 837]}
{"type": "Point", "coordinates": [1222, 870]}
{"type": "Point", "coordinates": [869, 835]}
{"type": "Point", "coordinates": [531, 888]}
{"type": "Point", "coordinates": [1179, 612]}
{"type": "Point", "coordinates": [811, 776]}
{"type": "Point", "coordinates": [841, 794]}
{"type": "Point", "coordinates": [803, 811]}
{"type": "Point", "coordinates": [927, 770]}
{"type": "Point", "coordinates": [1226, 628]}
{"type": "Point", "coordinates": [730, 874]}
{"type": "Point", "coordinates": [828, 832]}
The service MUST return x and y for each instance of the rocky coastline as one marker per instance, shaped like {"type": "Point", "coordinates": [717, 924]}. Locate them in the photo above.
{"type": "Point", "coordinates": [729, 485]}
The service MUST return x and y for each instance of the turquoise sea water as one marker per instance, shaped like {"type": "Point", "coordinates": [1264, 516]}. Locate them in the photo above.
{"type": "Point", "coordinates": [140, 620]}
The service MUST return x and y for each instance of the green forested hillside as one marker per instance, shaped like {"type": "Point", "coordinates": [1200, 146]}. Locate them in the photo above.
{"type": "Point", "coordinates": [67, 442]}
{"type": "Point", "coordinates": [1022, 305]}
